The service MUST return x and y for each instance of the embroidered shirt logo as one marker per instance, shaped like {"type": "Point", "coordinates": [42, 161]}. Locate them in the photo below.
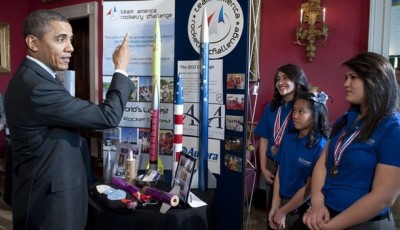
{"type": "Point", "coordinates": [304, 162]}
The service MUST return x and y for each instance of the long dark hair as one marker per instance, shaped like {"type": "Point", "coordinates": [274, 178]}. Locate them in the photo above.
{"type": "Point", "coordinates": [380, 90]}
{"type": "Point", "coordinates": [295, 74]}
{"type": "Point", "coordinates": [319, 113]}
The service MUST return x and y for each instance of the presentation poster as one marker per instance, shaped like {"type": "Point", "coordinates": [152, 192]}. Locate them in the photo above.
{"type": "Point", "coordinates": [138, 18]}
{"type": "Point", "coordinates": [190, 72]}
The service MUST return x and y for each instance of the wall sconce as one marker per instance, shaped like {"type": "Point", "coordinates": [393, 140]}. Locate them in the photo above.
{"type": "Point", "coordinates": [312, 31]}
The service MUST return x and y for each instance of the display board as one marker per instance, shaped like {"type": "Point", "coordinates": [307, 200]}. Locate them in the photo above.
{"type": "Point", "coordinates": [138, 18]}
{"type": "Point", "coordinates": [228, 31]}
{"type": "Point", "coordinates": [180, 26]}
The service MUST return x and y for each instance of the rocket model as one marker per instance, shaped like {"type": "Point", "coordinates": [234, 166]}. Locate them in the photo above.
{"type": "Point", "coordinates": [155, 103]}
{"type": "Point", "coordinates": [154, 129]}
{"type": "Point", "coordinates": [178, 124]}
{"type": "Point", "coordinates": [203, 148]}
{"type": "Point", "coordinates": [170, 199]}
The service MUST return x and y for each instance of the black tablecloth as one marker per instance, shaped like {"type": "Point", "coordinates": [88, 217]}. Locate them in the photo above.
{"type": "Point", "coordinates": [149, 217]}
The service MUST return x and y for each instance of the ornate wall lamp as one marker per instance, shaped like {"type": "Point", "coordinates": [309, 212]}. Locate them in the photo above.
{"type": "Point", "coordinates": [312, 31]}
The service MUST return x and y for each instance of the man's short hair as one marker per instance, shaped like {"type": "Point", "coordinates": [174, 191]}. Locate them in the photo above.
{"type": "Point", "coordinates": [37, 23]}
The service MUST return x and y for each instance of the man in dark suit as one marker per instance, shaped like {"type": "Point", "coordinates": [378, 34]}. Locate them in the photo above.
{"type": "Point", "coordinates": [49, 180]}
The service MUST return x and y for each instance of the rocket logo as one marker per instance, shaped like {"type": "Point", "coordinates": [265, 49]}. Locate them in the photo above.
{"type": "Point", "coordinates": [225, 25]}
{"type": "Point", "coordinates": [112, 13]}
{"type": "Point", "coordinates": [219, 25]}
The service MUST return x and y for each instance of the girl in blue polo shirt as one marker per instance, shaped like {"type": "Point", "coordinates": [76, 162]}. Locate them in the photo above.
{"type": "Point", "coordinates": [289, 81]}
{"type": "Point", "coordinates": [296, 159]}
{"type": "Point", "coordinates": [357, 178]}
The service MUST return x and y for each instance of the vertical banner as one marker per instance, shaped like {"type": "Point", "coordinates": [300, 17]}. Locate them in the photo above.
{"type": "Point", "coordinates": [228, 43]}
{"type": "Point", "coordinates": [151, 25]}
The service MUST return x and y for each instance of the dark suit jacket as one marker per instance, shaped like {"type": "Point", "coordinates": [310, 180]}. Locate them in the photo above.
{"type": "Point", "coordinates": [49, 180]}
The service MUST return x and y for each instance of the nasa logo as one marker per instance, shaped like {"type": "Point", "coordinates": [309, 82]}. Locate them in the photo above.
{"type": "Point", "coordinates": [225, 25]}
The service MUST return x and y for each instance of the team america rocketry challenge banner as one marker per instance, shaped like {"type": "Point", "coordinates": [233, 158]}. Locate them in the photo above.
{"type": "Point", "coordinates": [149, 111]}
{"type": "Point", "coordinates": [228, 49]}
{"type": "Point", "coordinates": [181, 44]}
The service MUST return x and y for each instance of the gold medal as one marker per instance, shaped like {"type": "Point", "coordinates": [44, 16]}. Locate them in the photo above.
{"type": "Point", "coordinates": [334, 171]}
{"type": "Point", "coordinates": [274, 149]}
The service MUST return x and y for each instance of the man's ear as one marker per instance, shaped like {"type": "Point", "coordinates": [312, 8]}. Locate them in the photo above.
{"type": "Point", "coordinates": [31, 42]}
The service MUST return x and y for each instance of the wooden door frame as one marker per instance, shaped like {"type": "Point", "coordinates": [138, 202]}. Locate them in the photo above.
{"type": "Point", "coordinates": [379, 26]}
{"type": "Point", "coordinates": [89, 10]}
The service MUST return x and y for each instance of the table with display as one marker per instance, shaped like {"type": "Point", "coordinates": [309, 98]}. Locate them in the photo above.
{"type": "Point", "coordinates": [149, 217]}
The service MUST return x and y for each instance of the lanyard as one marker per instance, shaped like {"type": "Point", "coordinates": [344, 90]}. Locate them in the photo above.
{"type": "Point", "coordinates": [340, 147]}
{"type": "Point", "coordinates": [278, 129]}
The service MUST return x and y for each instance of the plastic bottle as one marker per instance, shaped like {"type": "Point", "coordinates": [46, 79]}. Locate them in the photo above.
{"type": "Point", "coordinates": [130, 167]}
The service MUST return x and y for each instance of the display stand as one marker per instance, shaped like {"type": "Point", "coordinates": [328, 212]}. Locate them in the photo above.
{"type": "Point", "coordinates": [251, 176]}
{"type": "Point", "coordinates": [229, 52]}
{"type": "Point", "coordinates": [230, 183]}
{"type": "Point", "coordinates": [149, 217]}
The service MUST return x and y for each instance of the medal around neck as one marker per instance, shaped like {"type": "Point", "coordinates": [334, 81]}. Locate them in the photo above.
{"type": "Point", "coordinates": [274, 149]}
{"type": "Point", "coordinates": [334, 171]}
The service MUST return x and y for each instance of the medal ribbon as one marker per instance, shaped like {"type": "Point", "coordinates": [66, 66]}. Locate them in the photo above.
{"type": "Point", "coordinates": [278, 129]}
{"type": "Point", "coordinates": [339, 147]}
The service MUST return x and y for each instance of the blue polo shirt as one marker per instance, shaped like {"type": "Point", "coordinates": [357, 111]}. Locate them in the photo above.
{"type": "Point", "coordinates": [359, 160]}
{"type": "Point", "coordinates": [296, 163]}
{"type": "Point", "coordinates": [265, 126]}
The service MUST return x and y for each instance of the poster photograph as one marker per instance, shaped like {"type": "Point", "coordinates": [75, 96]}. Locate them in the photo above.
{"type": "Point", "coordinates": [129, 135]}
{"type": "Point", "coordinates": [144, 135]}
{"type": "Point", "coordinates": [167, 89]}
{"type": "Point", "coordinates": [106, 85]}
{"type": "Point", "coordinates": [145, 88]}
{"type": "Point", "coordinates": [166, 142]}
{"type": "Point", "coordinates": [233, 163]}
{"type": "Point", "coordinates": [234, 123]}
{"type": "Point", "coordinates": [235, 81]}
{"type": "Point", "coordinates": [134, 94]}
{"type": "Point", "coordinates": [122, 155]}
{"type": "Point", "coordinates": [235, 102]}
{"type": "Point", "coordinates": [233, 143]}
{"type": "Point", "coordinates": [111, 138]}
